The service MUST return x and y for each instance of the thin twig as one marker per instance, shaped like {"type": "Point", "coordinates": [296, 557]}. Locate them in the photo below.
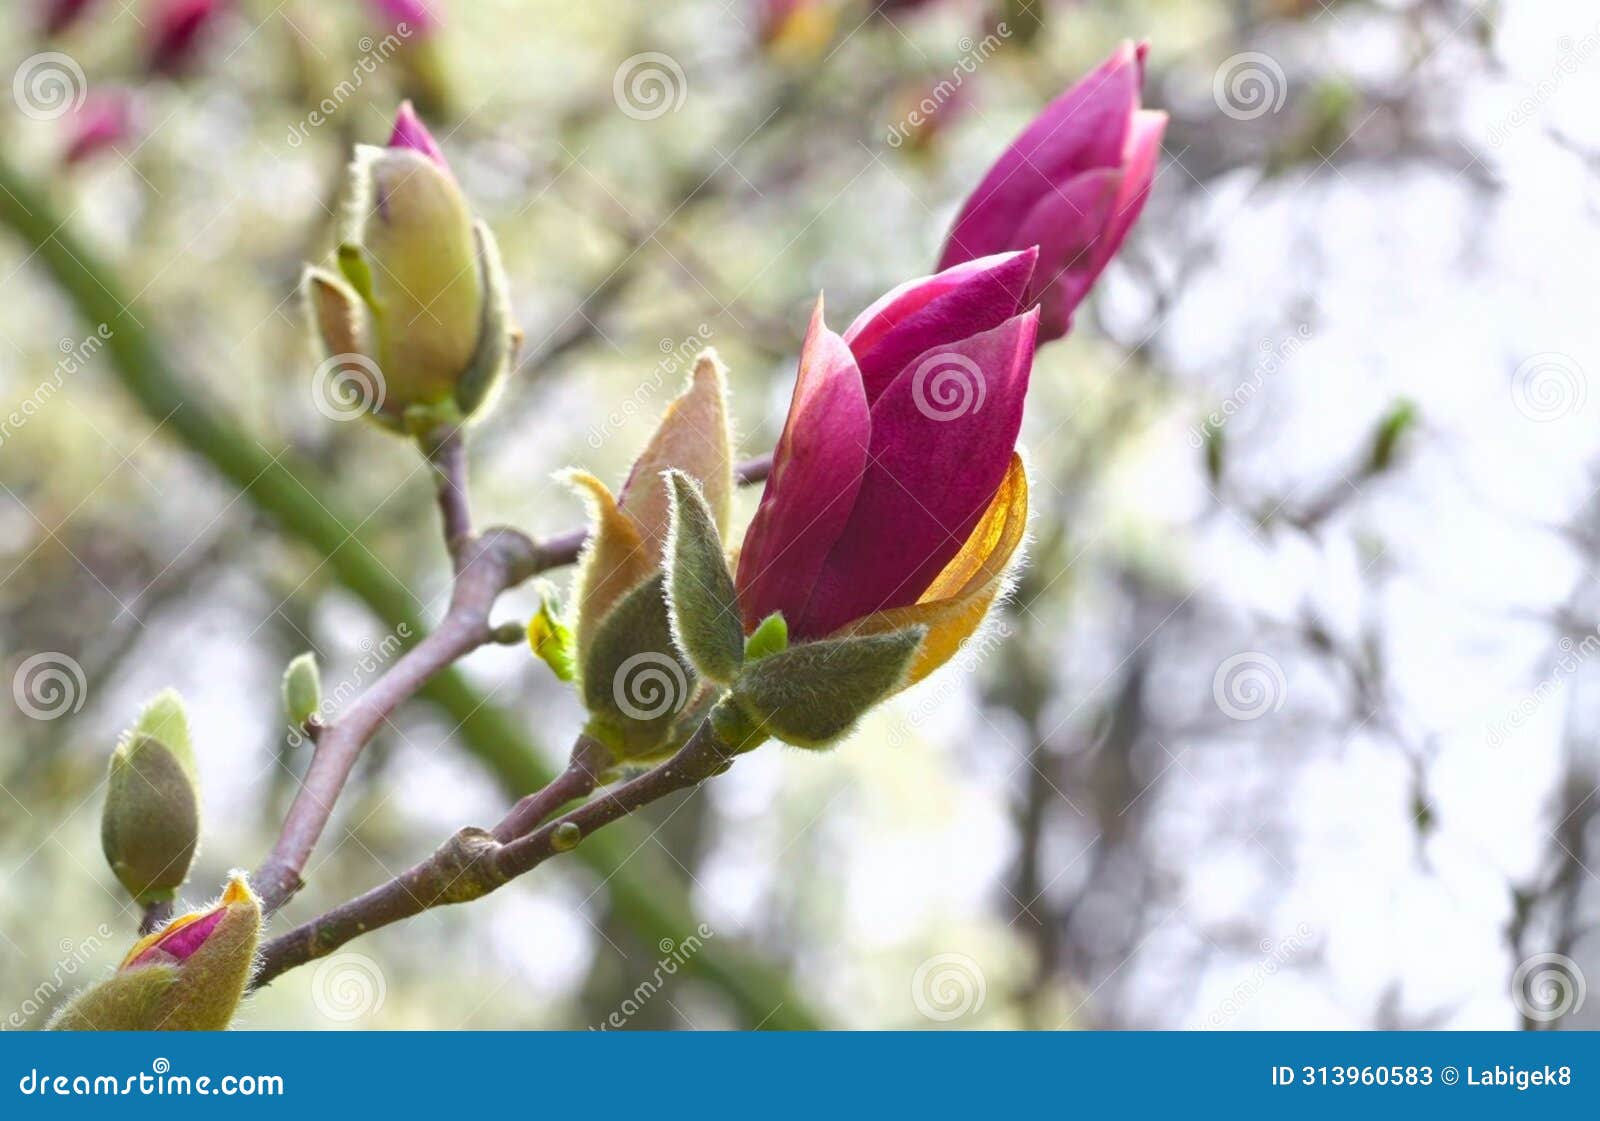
{"type": "Point", "coordinates": [447, 452]}
{"type": "Point", "coordinates": [590, 759]}
{"type": "Point", "coordinates": [473, 863]}
{"type": "Point", "coordinates": [485, 567]}
{"type": "Point", "coordinates": [494, 562]}
{"type": "Point", "coordinates": [155, 914]}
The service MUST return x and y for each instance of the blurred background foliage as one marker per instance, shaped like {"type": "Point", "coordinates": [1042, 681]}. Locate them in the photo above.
{"type": "Point", "coordinates": [1368, 260]}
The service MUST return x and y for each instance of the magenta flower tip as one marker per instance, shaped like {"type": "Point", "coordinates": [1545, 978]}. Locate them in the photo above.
{"type": "Point", "coordinates": [410, 132]}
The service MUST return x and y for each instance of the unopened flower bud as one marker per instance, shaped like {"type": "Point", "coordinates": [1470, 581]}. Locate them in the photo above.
{"type": "Point", "coordinates": [151, 824]}
{"type": "Point", "coordinates": [566, 836]}
{"type": "Point", "coordinates": [420, 312]}
{"type": "Point", "coordinates": [150, 827]}
{"type": "Point", "coordinates": [188, 976]}
{"type": "Point", "coordinates": [302, 689]}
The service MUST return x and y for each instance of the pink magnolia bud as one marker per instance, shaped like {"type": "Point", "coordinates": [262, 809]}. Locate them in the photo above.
{"type": "Point", "coordinates": [1073, 183]}
{"type": "Point", "coordinates": [177, 31]}
{"type": "Point", "coordinates": [56, 16]}
{"type": "Point", "coordinates": [104, 121]}
{"type": "Point", "coordinates": [188, 976]}
{"type": "Point", "coordinates": [420, 17]}
{"type": "Point", "coordinates": [899, 437]}
{"type": "Point", "coordinates": [410, 132]}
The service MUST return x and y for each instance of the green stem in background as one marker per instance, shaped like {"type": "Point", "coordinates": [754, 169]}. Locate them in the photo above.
{"type": "Point", "coordinates": [646, 896]}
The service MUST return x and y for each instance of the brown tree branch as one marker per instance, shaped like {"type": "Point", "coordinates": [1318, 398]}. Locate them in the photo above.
{"type": "Point", "coordinates": [485, 566]}
{"type": "Point", "coordinates": [473, 863]}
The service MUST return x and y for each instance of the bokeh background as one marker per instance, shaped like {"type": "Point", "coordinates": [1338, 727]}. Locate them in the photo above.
{"type": "Point", "coordinates": [1293, 722]}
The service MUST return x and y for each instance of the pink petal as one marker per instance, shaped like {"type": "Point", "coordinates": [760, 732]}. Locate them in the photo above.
{"type": "Point", "coordinates": [816, 472]}
{"type": "Point", "coordinates": [1138, 170]}
{"type": "Point", "coordinates": [955, 304]}
{"type": "Point", "coordinates": [410, 132]}
{"type": "Point", "coordinates": [184, 941]}
{"type": "Point", "coordinates": [1069, 225]}
{"type": "Point", "coordinates": [1086, 127]}
{"type": "Point", "coordinates": [418, 16]}
{"type": "Point", "coordinates": [176, 33]}
{"type": "Point", "coordinates": [942, 437]}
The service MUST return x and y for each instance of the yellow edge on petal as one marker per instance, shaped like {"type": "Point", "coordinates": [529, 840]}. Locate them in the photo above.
{"type": "Point", "coordinates": [155, 936]}
{"type": "Point", "coordinates": [956, 602]}
{"type": "Point", "coordinates": [237, 891]}
{"type": "Point", "coordinates": [614, 562]}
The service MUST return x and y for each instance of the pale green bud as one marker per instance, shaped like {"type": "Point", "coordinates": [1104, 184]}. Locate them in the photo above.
{"type": "Point", "coordinates": [150, 828]}
{"type": "Point", "coordinates": [302, 689]}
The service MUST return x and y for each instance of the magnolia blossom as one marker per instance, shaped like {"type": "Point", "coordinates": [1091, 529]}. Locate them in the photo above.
{"type": "Point", "coordinates": [1072, 184]}
{"type": "Point", "coordinates": [896, 498]}
{"type": "Point", "coordinates": [104, 121]}
{"type": "Point", "coordinates": [176, 31]}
